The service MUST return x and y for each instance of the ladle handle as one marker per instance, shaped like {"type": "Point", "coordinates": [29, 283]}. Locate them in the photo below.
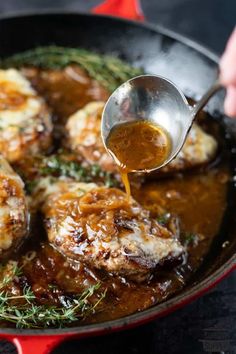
{"type": "Point", "coordinates": [205, 98]}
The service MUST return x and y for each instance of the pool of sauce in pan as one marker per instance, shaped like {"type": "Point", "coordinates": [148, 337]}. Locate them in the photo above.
{"type": "Point", "coordinates": [198, 198]}
{"type": "Point", "coordinates": [138, 146]}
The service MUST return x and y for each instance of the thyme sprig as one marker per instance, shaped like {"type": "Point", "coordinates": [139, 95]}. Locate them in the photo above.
{"type": "Point", "coordinates": [24, 311]}
{"type": "Point", "coordinates": [31, 315]}
{"type": "Point", "coordinates": [108, 70]}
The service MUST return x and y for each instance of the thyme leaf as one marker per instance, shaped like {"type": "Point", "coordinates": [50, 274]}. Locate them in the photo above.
{"type": "Point", "coordinates": [163, 219]}
{"type": "Point", "coordinates": [24, 311]}
{"type": "Point", "coordinates": [55, 165]}
{"type": "Point", "coordinates": [190, 239]}
{"type": "Point", "coordinates": [30, 185]}
{"type": "Point", "coordinates": [108, 70]}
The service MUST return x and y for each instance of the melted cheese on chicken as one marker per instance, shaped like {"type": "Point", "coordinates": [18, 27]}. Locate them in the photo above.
{"type": "Point", "coordinates": [102, 228]}
{"type": "Point", "coordinates": [199, 148]}
{"type": "Point", "coordinates": [84, 135]}
{"type": "Point", "coordinates": [13, 209]}
{"type": "Point", "coordinates": [48, 186]}
{"type": "Point", "coordinates": [25, 122]}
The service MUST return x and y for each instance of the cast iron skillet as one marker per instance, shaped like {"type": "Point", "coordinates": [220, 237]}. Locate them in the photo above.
{"type": "Point", "coordinates": [193, 68]}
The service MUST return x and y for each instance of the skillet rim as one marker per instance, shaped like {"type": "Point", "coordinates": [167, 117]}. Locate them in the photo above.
{"type": "Point", "coordinates": [185, 296]}
{"type": "Point", "coordinates": [188, 41]}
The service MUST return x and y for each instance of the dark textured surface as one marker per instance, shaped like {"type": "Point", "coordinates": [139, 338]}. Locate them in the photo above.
{"type": "Point", "coordinates": [208, 324]}
{"type": "Point", "coordinates": [206, 21]}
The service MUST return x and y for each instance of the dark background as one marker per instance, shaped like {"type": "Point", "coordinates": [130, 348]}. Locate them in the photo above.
{"type": "Point", "coordinates": [207, 325]}
{"type": "Point", "coordinates": [207, 21]}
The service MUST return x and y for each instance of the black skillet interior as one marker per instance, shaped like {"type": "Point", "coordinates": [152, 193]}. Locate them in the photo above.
{"type": "Point", "coordinates": [191, 67]}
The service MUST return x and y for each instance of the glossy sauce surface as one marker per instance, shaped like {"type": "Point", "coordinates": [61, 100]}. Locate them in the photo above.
{"type": "Point", "coordinates": [138, 146]}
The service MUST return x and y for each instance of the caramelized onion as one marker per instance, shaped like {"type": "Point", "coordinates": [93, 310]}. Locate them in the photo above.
{"type": "Point", "coordinates": [103, 199]}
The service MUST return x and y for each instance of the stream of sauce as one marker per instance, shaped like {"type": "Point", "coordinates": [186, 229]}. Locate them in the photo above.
{"type": "Point", "coordinates": [138, 146]}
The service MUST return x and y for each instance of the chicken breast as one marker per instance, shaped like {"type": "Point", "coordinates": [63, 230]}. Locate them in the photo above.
{"type": "Point", "coordinates": [13, 210]}
{"type": "Point", "coordinates": [66, 89]}
{"type": "Point", "coordinates": [84, 136]}
{"type": "Point", "coordinates": [25, 122]}
{"type": "Point", "coordinates": [102, 228]}
{"type": "Point", "coordinates": [199, 149]}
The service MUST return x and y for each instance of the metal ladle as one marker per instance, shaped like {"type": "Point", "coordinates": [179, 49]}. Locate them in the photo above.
{"type": "Point", "coordinates": [158, 100]}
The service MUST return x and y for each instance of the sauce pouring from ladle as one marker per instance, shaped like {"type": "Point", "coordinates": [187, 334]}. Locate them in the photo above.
{"type": "Point", "coordinates": [145, 123]}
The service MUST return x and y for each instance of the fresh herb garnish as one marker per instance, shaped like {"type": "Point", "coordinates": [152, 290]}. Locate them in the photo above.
{"type": "Point", "coordinates": [163, 219]}
{"type": "Point", "coordinates": [30, 185]}
{"type": "Point", "coordinates": [24, 312]}
{"type": "Point", "coordinates": [108, 70]}
{"type": "Point", "coordinates": [30, 315]}
{"type": "Point", "coordinates": [52, 286]}
{"type": "Point", "coordinates": [55, 165]}
{"type": "Point", "coordinates": [190, 238]}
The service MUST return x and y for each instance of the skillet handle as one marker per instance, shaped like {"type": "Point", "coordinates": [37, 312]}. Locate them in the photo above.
{"type": "Point", "coordinates": [34, 344]}
{"type": "Point", "coordinates": [130, 9]}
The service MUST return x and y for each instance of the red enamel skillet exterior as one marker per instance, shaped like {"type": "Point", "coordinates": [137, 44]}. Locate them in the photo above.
{"type": "Point", "coordinates": [190, 57]}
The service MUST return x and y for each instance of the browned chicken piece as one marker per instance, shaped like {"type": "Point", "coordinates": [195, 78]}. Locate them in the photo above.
{"type": "Point", "coordinates": [66, 90]}
{"type": "Point", "coordinates": [84, 136]}
{"type": "Point", "coordinates": [13, 210]}
{"type": "Point", "coordinates": [83, 130]}
{"type": "Point", "coordinates": [103, 228]}
{"type": "Point", "coordinates": [25, 121]}
{"type": "Point", "coordinates": [199, 149]}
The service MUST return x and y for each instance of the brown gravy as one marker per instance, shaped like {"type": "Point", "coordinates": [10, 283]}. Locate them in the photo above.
{"type": "Point", "coordinates": [138, 145]}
